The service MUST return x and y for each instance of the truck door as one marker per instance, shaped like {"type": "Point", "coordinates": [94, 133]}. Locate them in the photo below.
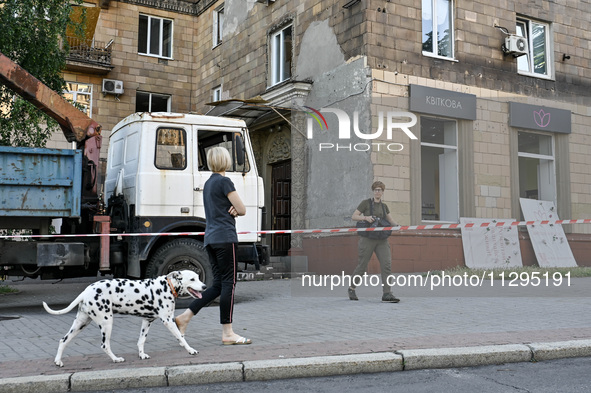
{"type": "Point", "coordinates": [164, 177]}
{"type": "Point", "coordinates": [243, 176]}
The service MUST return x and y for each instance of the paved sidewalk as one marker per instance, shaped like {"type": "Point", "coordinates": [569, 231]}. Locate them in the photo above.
{"type": "Point", "coordinates": [286, 321]}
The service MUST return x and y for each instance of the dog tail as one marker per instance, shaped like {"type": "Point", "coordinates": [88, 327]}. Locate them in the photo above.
{"type": "Point", "coordinates": [67, 309]}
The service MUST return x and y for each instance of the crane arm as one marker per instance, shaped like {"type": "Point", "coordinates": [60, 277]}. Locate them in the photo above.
{"type": "Point", "coordinates": [75, 124]}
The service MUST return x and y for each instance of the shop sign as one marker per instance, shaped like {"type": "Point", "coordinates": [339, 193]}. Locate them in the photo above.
{"type": "Point", "coordinates": [541, 118]}
{"type": "Point", "coordinates": [442, 102]}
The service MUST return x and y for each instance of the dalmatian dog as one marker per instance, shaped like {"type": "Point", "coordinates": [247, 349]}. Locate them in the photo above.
{"type": "Point", "coordinates": [149, 299]}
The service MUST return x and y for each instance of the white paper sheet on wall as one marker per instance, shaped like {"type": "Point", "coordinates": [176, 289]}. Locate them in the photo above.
{"type": "Point", "coordinates": [490, 247]}
{"type": "Point", "coordinates": [549, 241]}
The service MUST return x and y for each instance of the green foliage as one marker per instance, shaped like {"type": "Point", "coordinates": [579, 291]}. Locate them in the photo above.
{"type": "Point", "coordinates": [33, 35]}
{"type": "Point", "coordinates": [6, 289]}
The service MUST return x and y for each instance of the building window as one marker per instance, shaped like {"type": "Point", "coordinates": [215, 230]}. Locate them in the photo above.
{"type": "Point", "coordinates": [217, 93]}
{"type": "Point", "coordinates": [439, 170]}
{"type": "Point", "coordinates": [218, 25]}
{"type": "Point", "coordinates": [81, 95]}
{"type": "Point", "coordinates": [538, 59]}
{"type": "Point", "coordinates": [281, 55]}
{"type": "Point", "coordinates": [537, 176]}
{"type": "Point", "coordinates": [155, 36]}
{"type": "Point", "coordinates": [151, 102]}
{"type": "Point", "coordinates": [438, 32]}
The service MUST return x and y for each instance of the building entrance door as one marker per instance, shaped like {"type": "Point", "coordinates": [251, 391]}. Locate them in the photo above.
{"type": "Point", "coordinates": [281, 206]}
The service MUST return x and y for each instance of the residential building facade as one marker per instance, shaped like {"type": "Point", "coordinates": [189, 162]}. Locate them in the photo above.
{"type": "Point", "coordinates": [460, 108]}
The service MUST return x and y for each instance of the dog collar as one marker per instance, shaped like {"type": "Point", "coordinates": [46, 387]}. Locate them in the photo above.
{"type": "Point", "coordinates": [171, 287]}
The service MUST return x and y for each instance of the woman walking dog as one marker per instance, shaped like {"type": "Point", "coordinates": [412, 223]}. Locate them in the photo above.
{"type": "Point", "coordinates": [222, 205]}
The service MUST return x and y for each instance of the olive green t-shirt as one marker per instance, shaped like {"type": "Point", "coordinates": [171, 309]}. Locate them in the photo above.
{"type": "Point", "coordinates": [379, 209]}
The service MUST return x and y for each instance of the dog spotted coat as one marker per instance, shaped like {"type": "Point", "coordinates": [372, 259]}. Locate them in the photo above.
{"type": "Point", "coordinates": [149, 299]}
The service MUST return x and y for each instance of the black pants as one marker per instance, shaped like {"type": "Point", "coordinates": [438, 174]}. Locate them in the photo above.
{"type": "Point", "coordinates": [223, 263]}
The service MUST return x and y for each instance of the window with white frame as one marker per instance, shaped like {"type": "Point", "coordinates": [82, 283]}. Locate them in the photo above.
{"type": "Point", "coordinates": [538, 60]}
{"type": "Point", "coordinates": [438, 30]}
{"type": "Point", "coordinates": [218, 25]}
{"type": "Point", "coordinates": [537, 175]}
{"type": "Point", "coordinates": [439, 170]}
{"type": "Point", "coordinates": [81, 95]}
{"type": "Point", "coordinates": [155, 36]}
{"type": "Point", "coordinates": [217, 93]}
{"type": "Point", "coordinates": [151, 102]}
{"type": "Point", "coordinates": [281, 55]}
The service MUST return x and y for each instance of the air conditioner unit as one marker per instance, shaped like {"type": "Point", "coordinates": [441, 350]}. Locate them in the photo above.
{"type": "Point", "coordinates": [267, 2]}
{"type": "Point", "coordinates": [112, 86]}
{"type": "Point", "coordinates": [515, 45]}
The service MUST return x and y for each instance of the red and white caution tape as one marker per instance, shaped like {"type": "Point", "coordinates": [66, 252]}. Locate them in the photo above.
{"type": "Point", "coordinates": [492, 224]}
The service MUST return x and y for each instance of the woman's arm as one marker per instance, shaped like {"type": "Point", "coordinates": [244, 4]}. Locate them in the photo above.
{"type": "Point", "coordinates": [357, 216]}
{"type": "Point", "coordinates": [238, 208]}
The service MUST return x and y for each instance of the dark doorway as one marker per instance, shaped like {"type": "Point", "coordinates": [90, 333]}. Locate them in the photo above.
{"type": "Point", "coordinates": [281, 206]}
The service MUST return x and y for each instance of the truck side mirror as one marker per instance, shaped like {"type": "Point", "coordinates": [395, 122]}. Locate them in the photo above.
{"type": "Point", "coordinates": [239, 149]}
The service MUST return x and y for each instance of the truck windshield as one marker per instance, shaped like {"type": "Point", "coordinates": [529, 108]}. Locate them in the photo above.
{"type": "Point", "coordinates": [208, 139]}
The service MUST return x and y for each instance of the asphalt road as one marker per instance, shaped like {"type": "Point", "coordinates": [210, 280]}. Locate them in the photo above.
{"type": "Point", "coordinates": [563, 375]}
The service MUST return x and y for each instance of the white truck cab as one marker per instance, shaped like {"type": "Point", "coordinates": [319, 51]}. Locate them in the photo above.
{"type": "Point", "coordinates": [156, 170]}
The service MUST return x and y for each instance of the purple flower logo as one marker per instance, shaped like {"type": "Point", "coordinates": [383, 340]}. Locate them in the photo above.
{"type": "Point", "coordinates": [542, 118]}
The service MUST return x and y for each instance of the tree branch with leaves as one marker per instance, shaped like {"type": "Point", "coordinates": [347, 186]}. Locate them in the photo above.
{"type": "Point", "coordinates": [33, 36]}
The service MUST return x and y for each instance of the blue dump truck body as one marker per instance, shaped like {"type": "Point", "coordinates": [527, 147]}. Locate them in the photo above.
{"type": "Point", "coordinates": [36, 186]}
{"type": "Point", "coordinates": [36, 182]}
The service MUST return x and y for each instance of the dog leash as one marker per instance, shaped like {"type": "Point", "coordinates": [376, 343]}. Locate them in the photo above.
{"type": "Point", "coordinates": [174, 293]}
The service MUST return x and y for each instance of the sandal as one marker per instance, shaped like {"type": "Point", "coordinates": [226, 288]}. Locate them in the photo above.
{"type": "Point", "coordinates": [240, 341]}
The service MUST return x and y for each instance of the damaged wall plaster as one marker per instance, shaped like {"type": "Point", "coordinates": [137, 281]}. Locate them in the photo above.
{"type": "Point", "coordinates": [319, 51]}
{"type": "Point", "coordinates": [235, 14]}
{"type": "Point", "coordinates": [339, 178]}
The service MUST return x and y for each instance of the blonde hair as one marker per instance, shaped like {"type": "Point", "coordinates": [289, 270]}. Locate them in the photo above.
{"type": "Point", "coordinates": [218, 159]}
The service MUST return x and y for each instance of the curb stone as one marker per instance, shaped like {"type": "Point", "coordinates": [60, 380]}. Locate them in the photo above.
{"type": "Point", "coordinates": [415, 359]}
{"type": "Point", "coordinates": [559, 350]}
{"type": "Point", "coordinates": [146, 377]}
{"type": "Point", "coordinates": [39, 383]}
{"type": "Point", "coordinates": [261, 370]}
{"type": "Point", "coordinates": [205, 373]}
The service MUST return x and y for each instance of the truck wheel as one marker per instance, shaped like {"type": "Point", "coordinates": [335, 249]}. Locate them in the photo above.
{"type": "Point", "coordinates": [181, 254]}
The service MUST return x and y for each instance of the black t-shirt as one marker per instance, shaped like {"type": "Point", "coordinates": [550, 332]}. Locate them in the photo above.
{"type": "Point", "coordinates": [220, 225]}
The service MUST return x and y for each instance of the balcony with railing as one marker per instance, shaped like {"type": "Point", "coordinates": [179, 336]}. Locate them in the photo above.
{"type": "Point", "coordinates": [89, 56]}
